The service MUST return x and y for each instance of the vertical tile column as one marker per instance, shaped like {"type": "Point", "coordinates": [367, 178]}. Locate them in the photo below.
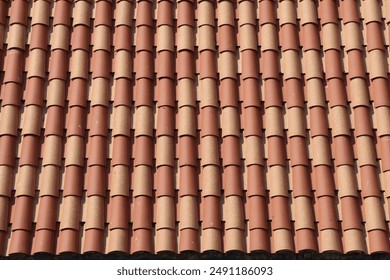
{"type": "Point", "coordinates": [45, 231]}
{"type": "Point", "coordinates": [9, 122]}
{"type": "Point", "coordinates": [374, 216]}
{"type": "Point", "coordinates": [96, 183]}
{"type": "Point", "coordinates": [305, 238]}
{"type": "Point", "coordinates": [165, 156]}
{"type": "Point", "coordinates": [31, 133]}
{"type": "Point", "coordinates": [209, 117]}
{"type": "Point", "coordinates": [325, 195]}
{"type": "Point", "coordinates": [341, 130]}
{"type": "Point", "coordinates": [188, 155]}
{"type": "Point", "coordinates": [4, 4]}
{"type": "Point", "coordinates": [280, 215]}
{"type": "Point", "coordinates": [5, 171]}
{"type": "Point", "coordinates": [258, 228]}
{"type": "Point", "coordinates": [233, 210]}
{"type": "Point", "coordinates": [142, 208]}
{"type": "Point", "coordinates": [380, 92]}
{"type": "Point", "coordinates": [73, 189]}
{"type": "Point", "coordinates": [119, 206]}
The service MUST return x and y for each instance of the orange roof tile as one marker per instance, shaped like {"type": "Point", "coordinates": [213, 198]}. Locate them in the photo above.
{"type": "Point", "coordinates": [159, 126]}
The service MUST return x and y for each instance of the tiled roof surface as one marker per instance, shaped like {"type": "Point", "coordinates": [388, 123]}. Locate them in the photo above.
{"type": "Point", "coordinates": [152, 126]}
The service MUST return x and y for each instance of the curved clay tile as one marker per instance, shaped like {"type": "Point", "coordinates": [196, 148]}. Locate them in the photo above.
{"type": "Point", "coordinates": [8, 154]}
{"type": "Point", "coordinates": [101, 38]}
{"type": "Point", "coordinates": [185, 65]}
{"type": "Point", "coordinates": [225, 14]}
{"type": "Point", "coordinates": [206, 37]}
{"type": "Point", "coordinates": [40, 13]}
{"type": "Point", "coordinates": [376, 67]}
{"type": "Point", "coordinates": [39, 38]}
{"type": "Point", "coordinates": [123, 92]}
{"type": "Point", "coordinates": [8, 124]}
{"type": "Point", "coordinates": [250, 68]}
{"type": "Point", "coordinates": [59, 38]}
{"type": "Point", "coordinates": [375, 38]}
{"type": "Point", "coordinates": [165, 181]}
{"type": "Point", "coordinates": [267, 12]}
{"type": "Point", "coordinates": [251, 96]}
{"type": "Point", "coordinates": [206, 14]}
{"type": "Point", "coordinates": [307, 10]}
{"type": "Point", "coordinates": [343, 150]}
{"type": "Point", "coordinates": [328, 12]}
{"type": "Point", "coordinates": [123, 38]}
{"type": "Point", "coordinates": [363, 125]}
{"type": "Point", "coordinates": [252, 128]}
{"type": "Point", "coordinates": [123, 13]}
{"type": "Point", "coordinates": [356, 65]}
{"type": "Point", "coordinates": [60, 58]}
{"type": "Point", "coordinates": [350, 12]}
{"type": "Point", "coordinates": [62, 13]}
{"type": "Point", "coordinates": [17, 38]}
{"type": "Point", "coordinates": [289, 37]}
{"type": "Point", "coordinates": [165, 13]}
{"type": "Point", "coordinates": [81, 38]}
{"type": "Point", "coordinates": [186, 14]}
{"type": "Point", "coordinates": [226, 40]}
{"type": "Point", "coordinates": [310, 38]}
{"type": "Point", "coordinates": [247, 13]}
{"type": "Point", "coordinates": [18, 12]}
{"type": "Point", "coordinates": [336, 93]}
{"type": "Point", "coordinates": [372, 11]}
{"type": "Point", "coordinates": [144, 14]}
{"type": "Point", "coordinates": [248, 38]}
{"type": "Point", "coordinates": [271, 59]}
{"type": "Point", "coordinates": [207, 64]}
{"type": "Point", "coordinates": [82, 13]}
{"type": "Point", "coordinates": [103, 14]}
{"type": "Point", "coordinates": [165, 123]}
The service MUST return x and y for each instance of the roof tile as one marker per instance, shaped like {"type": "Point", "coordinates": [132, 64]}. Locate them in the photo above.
{"type": "Point", "coordinates": [276, 142]}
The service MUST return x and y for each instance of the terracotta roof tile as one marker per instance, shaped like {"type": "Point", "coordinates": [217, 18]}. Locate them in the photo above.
{"type": "Point", "coordinates": [151, 127]}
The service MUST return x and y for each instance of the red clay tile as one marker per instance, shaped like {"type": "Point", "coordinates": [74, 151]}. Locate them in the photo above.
{"type": "Point", "coordinates": [336, 92]}
{"type": "Point", "coordinates": [58, 65]}
{"type": "Point", "coordinates": [249, 64]}
{"type": "Point", "coordinates": [328, 12]}
{"type": "Point", "coordinates": [343, 150]}
{"type": "Point", "coordinates": [7, 144]}
{"type": "Point", "coordinates": [188, 184]}
{"type": "Point", "coordinates": [62, 13]}
{"type": "Point", "coordinates": [165, 65]}
{"type": "Point", "coordinates": [289, 37]}
{"type": "Point", "coordinates": [356, 64]}
{"type": "Point", "coordinates": [380, 92]}
{"type": "Point", "coordinates": [226, 40]}
{"type": "Point", "coordinates": [375, 36]}
{"type": "Point", "coordinates": [363, 124]}
{"type": "Point", "coordinates": [351, 213]}
{"type": "Point", "coordinates": [185, 65]}
{"type": "Point", "coordinates": [39, 38]}
{"type": "Point", "coordinates": [267, 12]}
{"type": "Point", "coordinates": [271, 59]}
{"type": "Point", "coordinates": [55, 121]}
{"type": "Point", "coordinates": [80, 38]}
{"type": "Point", "coordinates": [143, 92]}
{"type": "Point", "coordinates": [185, 13]}
{"type": "Point", "coordinates": [310, 38]}
{"type": "Point", "coordinates": [209, 125]}
{"type": "Point", "coordinates": [18, 12]}
{"type": "Point", "coordinates": [207, 65]}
